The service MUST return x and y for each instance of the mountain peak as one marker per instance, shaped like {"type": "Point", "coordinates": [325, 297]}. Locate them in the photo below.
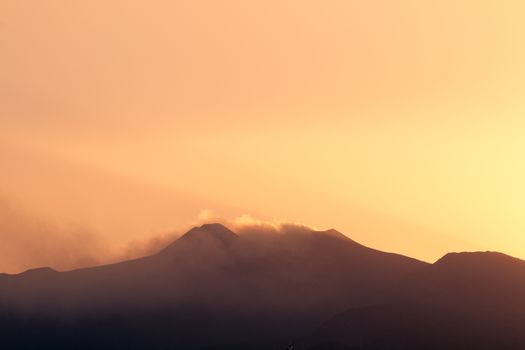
{"type": "Point", "coordinates": [214, 231]}
{"type": "Point", "coordinates": [464, 256]}
{"type": "Point", "coordinates": [214, 226]}
{"type": "Point", "coordinates": [480, 260]}
{"type": "Point", "coordinates": [38, 271]}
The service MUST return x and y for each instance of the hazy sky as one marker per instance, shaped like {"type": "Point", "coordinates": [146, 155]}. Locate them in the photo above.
{"type": "Point", "coordinates": [400, 123]}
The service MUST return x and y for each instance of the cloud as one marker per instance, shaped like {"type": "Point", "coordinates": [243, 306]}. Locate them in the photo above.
{"type": "Point", "coordinates": [244, 224]}
{"type": "Point", "coordinates": [27, 241]}
{"type": "Point", "coordinates": [148, 246]}
{"type": "Point", "coordinates": [248, 224]}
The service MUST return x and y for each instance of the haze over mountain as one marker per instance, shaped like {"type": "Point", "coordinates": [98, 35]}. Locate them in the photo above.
{"type": "Point", "coordinates": [293, 268]}
{"type": "Point", "coordinates": [214, 288]}
{"type": "Point", "coordinates": [399, 121]}
{"type": "Point", "coordinates": [123, 124]}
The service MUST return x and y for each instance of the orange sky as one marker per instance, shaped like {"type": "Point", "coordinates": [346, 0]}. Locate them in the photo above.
{"type": "Point", "coordinates": [400, 123]}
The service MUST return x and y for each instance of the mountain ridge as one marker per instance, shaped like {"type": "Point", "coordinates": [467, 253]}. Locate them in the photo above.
{"type": "Point", "coordinates": [228, 287]}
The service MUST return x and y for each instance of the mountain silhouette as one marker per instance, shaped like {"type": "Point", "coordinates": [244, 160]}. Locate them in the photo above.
{"type": "Point", "coordinates": [215, 289]}
{"type": "Point", "coordinates": [208, 233]}
{"type": "Point", "coordinates": [463, 301]}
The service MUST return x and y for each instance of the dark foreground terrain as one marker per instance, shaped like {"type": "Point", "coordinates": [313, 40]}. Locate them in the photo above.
{"type": "Point", "coordinates": [214, 289]}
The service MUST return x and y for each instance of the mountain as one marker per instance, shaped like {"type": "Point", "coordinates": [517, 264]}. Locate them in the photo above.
{"type": "Point", "coordinates": [209, 287]}
{"type": "Point", "coordinates": [215, 289]}
{"type": "Point", "coordinates": [463, 301]}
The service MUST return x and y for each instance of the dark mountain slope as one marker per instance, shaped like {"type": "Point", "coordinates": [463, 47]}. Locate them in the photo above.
{"type": "Point", "coordinates": [209, 287]}
{"type": "Point", "coordinates": [463, 301]}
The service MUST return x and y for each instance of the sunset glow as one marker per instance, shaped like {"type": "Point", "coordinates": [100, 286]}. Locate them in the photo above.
{"type": "Point", "coordinates": [398, 123]}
